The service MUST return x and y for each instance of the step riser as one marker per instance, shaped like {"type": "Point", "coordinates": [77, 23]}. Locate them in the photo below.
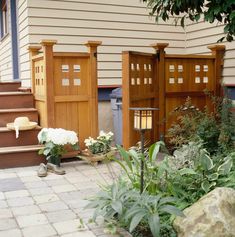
{"type": "Point", "coordinates": [16, 101]}
{"type": "Point", "coordinates": [25, 138]}
{"type": "Point", "coordinates": [10, 117]}
{"type": "Point", "coordinates": [22, 159]}
{"type": "Point", "coordinates": [4, 86]}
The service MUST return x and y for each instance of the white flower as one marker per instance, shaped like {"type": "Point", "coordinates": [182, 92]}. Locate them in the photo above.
{"type": "Point", "coordinates": [90, 141]}
{"type": "Point", "coordinates": [58, 136]}
{"type": "Point", "coordinates": [102, 134]}
{"type": "Point", "coordinates": [106, 136]}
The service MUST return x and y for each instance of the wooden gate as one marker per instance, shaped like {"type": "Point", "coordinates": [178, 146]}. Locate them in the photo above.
{"type": "Point", "coordinates": [65, 88]}
{"type": "Point", "coordinates": [164, 81]}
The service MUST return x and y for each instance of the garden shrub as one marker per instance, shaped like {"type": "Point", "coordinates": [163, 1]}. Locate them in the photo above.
{"type": "Point", "coordinates": [214, 129]}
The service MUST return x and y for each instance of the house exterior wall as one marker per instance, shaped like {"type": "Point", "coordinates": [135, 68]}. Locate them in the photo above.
{"type": "Point", "coordinates": [202, 34]}
{"type": "Point", "coordinates": [23, 36]}
{"type": "Point", "coordinates": [120, 25]}
{"type": "Point", "coordinates": [6, 73]}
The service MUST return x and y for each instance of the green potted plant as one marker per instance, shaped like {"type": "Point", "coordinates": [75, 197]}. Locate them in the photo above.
{"type": "Point", "coordinates": [55, 141]}
{"type": "Point", "coordinates": [98, 149]}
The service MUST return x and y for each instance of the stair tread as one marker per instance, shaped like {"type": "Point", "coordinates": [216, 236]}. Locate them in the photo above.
{"type": "Point", "coordinates": [10, 82]}
{"type": "Point", "coordinates": [14, 93]}
{"type": "Point", "coordinates": [18, 110]}
{"type": "Point", "coordinates": [13, 149]}
{"type": "Point", "coordinates": [5, 129]}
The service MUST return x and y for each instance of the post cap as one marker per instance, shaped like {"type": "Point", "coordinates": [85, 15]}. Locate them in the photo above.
{"type": "Point", "coordinates": [93, 43]}
{"type": "Point", "coordinates": [216, 47]}
{"type": "Point", "coordinates": [159, 46]}
{"type": "Point", "coordinates": [34, 48]}
{"type": "Point", "coordinates": [46, 42]}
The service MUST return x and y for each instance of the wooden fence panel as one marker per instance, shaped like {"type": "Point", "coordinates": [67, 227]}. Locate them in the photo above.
{"type": "Point", "coordinates": [173, 79]}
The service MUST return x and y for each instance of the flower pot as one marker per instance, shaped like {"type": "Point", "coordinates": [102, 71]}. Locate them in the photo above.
{"type": "Point", "coordinates": [95, 158]}
{"type": "Point", "coordinates": [54, 160]}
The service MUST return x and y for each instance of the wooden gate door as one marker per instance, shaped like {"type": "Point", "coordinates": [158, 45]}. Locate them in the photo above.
{"type": "Point", "coordinates": [65, 89]}
{"type": "Point", "coordinates": [140, 87]}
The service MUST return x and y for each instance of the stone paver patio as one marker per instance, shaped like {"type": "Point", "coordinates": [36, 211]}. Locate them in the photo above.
{"type": "Point", "coordinates": [51, 206]}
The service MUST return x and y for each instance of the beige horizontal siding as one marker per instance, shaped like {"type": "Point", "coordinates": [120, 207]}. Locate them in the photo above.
{"type": "Point", "coordinates": [23, 23]}
{"type": "Point", "coordinates": [200, 35]}
{"type": "Point", "coordinates": [120, 25]}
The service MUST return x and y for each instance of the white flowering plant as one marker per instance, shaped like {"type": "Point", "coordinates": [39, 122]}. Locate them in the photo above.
{"type": "Point", "coordinates": [102, 144]}
{"type": "Point", "coordinates": [55, 140]}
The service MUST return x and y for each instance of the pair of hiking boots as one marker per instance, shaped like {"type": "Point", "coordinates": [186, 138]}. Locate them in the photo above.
{"type": "Point", "coordinates": [49, 167]}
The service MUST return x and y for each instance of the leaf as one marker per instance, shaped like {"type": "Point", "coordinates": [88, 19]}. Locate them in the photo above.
{"type": "Point", "coordinates": [117, 206]}
{"type": "Point", "coordinates": [167, 200]}
{"type": "Point", "coordinates": [154, 224]}
{"type": "Point", "coordinates": [171, 210]}
{"type": "Point", "coordinates": [232, 15]}
{"type": "Point", "coordinates": [185, 171]}
{"type": "Point", "coordinates": [136, 220]}
{"type": "Point", "coordinates": [206, 186]}
{"type": "Point", "coordinates": [182, 22]}
{"type": "Point", "coordinates": [225, 168]}
{"type": "Point", "coordinates": [206, 162]}
{"type": "Point", "coordinates": [40, 152]}
{"type": "Point", "coordinates": [213, 176]}
{"type": "Point", "coordinates": [154, 150]}
{"type": "Point", "coordinates": [124, 154]}
{"type": "Point", "coordinates": [46, 151]}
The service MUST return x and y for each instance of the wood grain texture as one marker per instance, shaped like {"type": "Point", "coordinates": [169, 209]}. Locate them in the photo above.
{"type": "Point", "coordinates": [66, 89]}
{"type": "Point", "coordinates": [174, 78]}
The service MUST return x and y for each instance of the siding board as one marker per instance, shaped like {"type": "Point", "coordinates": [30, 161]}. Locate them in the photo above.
{"type": "Point", "coordinates": [120, 25]}
{"type": "Point", "coordinates": [200, 35]}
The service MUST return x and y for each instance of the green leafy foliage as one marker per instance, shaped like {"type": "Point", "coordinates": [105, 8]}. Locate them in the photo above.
{"type": "Point", "coordinates": [119, 202]}
{"type": "Point", "coordinates": [203, 160]}
{"type": "Point", "coordinates": [131, 166]}
{"type": "Point", "coordinates": [215, 129]}
{"type": "Point", "coordinates": [219, 10]}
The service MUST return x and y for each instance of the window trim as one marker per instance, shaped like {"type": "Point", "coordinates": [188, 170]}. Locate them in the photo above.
{"type": "Point", "coordinates": [4, 14]}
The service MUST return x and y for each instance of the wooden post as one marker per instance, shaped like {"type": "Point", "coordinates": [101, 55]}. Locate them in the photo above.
{"type": "Point", "coordinates": [47, 47]}
{"type": "Point", "coordinates": [33, 50]}
{"type": "Point", "coordinates": [160, 67]}
{"type": "Point", "coordinates": [93, 86]}
{"type": "Point", "coordinates": [218, 52]}
{"type": "Point", "coordinates": [126, 113]}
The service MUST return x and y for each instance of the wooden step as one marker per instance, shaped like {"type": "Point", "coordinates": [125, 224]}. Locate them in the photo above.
{"type": "Point", "coordinates": [27, 137]}
{"type": "Point", "coordinates": [12, 100]}
{"type": "Point", "coordinates": [20, 156]}
{"type": "Point", "coordinates": [9, 86]}
{"type": "Point", "coordinates": [9, 115]}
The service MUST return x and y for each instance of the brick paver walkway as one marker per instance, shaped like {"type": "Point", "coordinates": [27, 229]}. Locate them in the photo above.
{"type": "Point", "coordinates": [51, 206]}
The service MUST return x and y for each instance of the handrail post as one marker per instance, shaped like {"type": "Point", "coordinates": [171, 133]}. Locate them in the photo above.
{"type": "Point", "coordinates": [160, 93]}
{"type": "Point", "coordinates": [93, 85]}
{"type": "Point", "coordinates": [47, 48]}
{"type": "Point", "coordinates": [218, 52]}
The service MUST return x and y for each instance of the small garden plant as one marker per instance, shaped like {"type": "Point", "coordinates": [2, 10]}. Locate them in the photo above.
{"type": "Point", "coordinates": [202, 158]}
{"type": "Point", "coordinates": [102, 144]}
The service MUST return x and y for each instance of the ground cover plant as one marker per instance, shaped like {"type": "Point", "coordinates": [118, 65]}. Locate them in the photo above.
{"type": "Point", "coordinates": [202, 159]}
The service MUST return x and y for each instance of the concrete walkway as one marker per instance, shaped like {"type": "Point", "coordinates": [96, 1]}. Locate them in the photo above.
{"type": "Point", "coordinates": [52, 206]}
